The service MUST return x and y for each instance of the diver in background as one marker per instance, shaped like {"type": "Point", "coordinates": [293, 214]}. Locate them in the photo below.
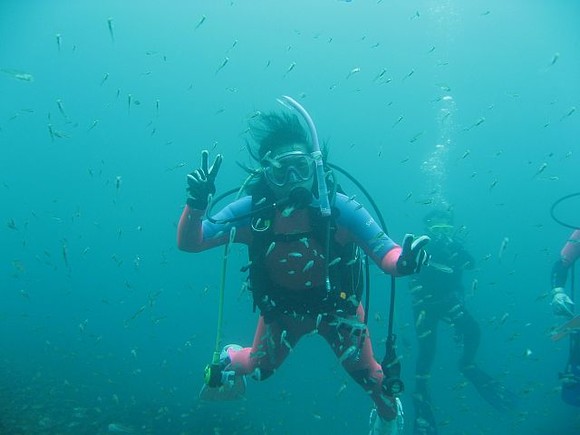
{"type": "Point", "coordinates": [563, 306]}
{"type": "Point", "coordinates": [438, 296]}
{"type": "Point", "coordinates": [304, 272]}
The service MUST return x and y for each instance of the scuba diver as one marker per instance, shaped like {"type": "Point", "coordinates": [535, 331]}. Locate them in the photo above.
{"type": "Point", "coordinates": [305, 246]}
{"type": "Point", "coordinates": [438, 295]}
{"type": "Point", "coordinates": [563, 306]}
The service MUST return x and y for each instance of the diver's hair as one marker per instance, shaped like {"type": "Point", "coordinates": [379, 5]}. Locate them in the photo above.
{"type": "Point", "coordinates": [272, 130]}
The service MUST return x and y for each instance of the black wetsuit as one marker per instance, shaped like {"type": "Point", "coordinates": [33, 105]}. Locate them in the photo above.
{"type": "Point", "coordinates": [437, 294]}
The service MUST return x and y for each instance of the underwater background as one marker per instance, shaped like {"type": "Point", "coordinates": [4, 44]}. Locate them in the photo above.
{"type": "Point", "coordinates": [105, 107]}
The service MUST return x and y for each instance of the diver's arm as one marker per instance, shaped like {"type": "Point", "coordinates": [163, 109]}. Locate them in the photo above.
{"type": "Point", "coordinates": [561, 302]}
{"type": "Point", "coordinates": [355, 224]}
{"type": "Point", "coordinates": [195, 234]}
{"type": "Point", "coordinates": [559, 273]}
{"type": "Point", "coordinates": [569, 254]}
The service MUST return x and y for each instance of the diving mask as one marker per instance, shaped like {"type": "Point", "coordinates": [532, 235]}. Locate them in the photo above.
{"type": "Point", "coordinates": [441, 229]}
{"type": "Point", "coordinates": [295, 166]}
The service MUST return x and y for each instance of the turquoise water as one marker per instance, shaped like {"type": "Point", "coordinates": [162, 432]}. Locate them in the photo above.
{"type": "Point", "coordinates": [106, 106]}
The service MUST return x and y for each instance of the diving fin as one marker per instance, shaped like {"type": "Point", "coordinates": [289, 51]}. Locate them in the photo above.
{"type": "Point", "coordinates": [493, 391]}
{"type": "Point", "coordinates": [425, 423]}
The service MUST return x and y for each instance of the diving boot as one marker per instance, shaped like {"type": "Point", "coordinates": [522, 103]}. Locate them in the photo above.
{"type": "Point", "coordinates": [233, 386]}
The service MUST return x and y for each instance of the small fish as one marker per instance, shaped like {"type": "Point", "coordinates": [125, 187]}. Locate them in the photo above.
{"type": "Point", "coordinates": [341, 389]}
{"type": "Point", "coordinates": [232, 46]}
{"type": "Point", "coordinates": [420, 318]}
{"type": "Point", "coordinates": [200, 22]}
{"type": "Point", "coordinates": [129, 100]}
{"type": "Point", "coordinates": [110, 26]}
{"type": "Point", "coordinates": [334, 262]}
{"type": "Point", "coordinates": [295, 254]}
{"type": "Point", "coordinates": [475, 124]}
{"type": "Point", "coordinates": [288, 211]}
{"type": "Point", "coordinates": [18, 75]}
{"type": "Point", "coordinates": [380, 75]}
{"type": "Point", "coordinates": [399, 119]}
{"type": "Point", "coordinates": [504, 318]}
{"type": "Point", "coordinates": [119, 428]}
{"type": "Point", "coordinates": [479, 122]}
{"type": "Point", "coordinates": [290, 68]}
{"type": "Point", "coordinates": [284, 341]}
{"type": "Point", "coordinates": [503, 247]}
{"type": "Point", "coordinates": [65, 254]}
{"type": "Point", "coordinates": [104, 79]}
{"type": "Point", "coordinates": [417, 136]}
{"type": "Point", "coordinates": [409, 74]}
{"type": "Point", "coordinates": [61, 108]}
{"type": "Point", "coordinates": [233, 231]}
{"type": "Point", "coordinates": [570, 112]}
{"type": "Point", "coordinates": [308, 266]}
{"type": "Point", "coordinates": [474, 285]}
{"type": "Point", "coordinates": [555, 59]}
{"type": "Point", "coordinates": [493, 184]}
{"type": "Point", "coordinates": [304, 241]}
{"type": "Point", "coordinates": [352, 350]}
{"type": "Point", "coordinates": [465, 154]}
{"type": "Point", "coordinates": [223, 64]}
{"type": "Point", "coordinates": [352, 72]}
{"type": "Point", "coordinates": [425, 334]}
{"type": "Point", "coordinates": [541, 169]}
{"type": "Point", "coordinates": [58, 41]}
{"type": "Point", "coordinates": [318, 320]}
{"type": "Point", "coordinates": [270, 248]}
{"type": "Point", "coordinates": [51, 132]}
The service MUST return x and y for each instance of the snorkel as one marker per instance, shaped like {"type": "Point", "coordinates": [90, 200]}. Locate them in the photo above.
{"type": "Point", "coordinates": [316, 154]}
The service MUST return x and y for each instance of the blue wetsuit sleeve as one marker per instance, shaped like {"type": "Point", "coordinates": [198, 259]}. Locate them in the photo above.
{"type": "Point", "coordinates": [196, 234]}
{"type": "Point", "coordinates": [362, 229]}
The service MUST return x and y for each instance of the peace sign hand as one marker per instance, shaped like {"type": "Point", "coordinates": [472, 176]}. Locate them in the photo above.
{"type": "Point", "coordinates": [201, 182]}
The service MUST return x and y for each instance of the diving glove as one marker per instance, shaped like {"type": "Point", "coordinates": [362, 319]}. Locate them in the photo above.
{"type": "Point", "coordinates": [413, 256]}
{"type": "Point", "coordinates": [201, 182]}
{"type": "Point", "coordinates": [561, 303]}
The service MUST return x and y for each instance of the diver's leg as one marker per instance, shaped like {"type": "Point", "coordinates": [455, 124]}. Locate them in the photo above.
{"type": "Point", "coordinates": [467, 331]}
{"type": "Point", "coordinates": [490, 389]}
{"type": "Point", "coordinates": [357, 359]}
{"type": "Point", "coordinates": [272, 343]}
{"type": "Point", "coordinates": [571, 376]}
{"type": "Point", "coordinates": [426, 328]}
